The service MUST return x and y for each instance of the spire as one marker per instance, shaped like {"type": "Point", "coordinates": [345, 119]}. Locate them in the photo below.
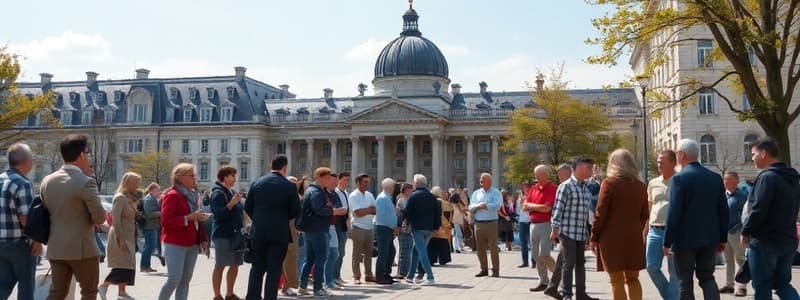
{"type": "Point", "coordinates": [410, 17]}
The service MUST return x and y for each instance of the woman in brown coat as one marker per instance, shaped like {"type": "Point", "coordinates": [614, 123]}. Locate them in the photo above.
{"type": "Point", "coordinates": [619, 221]}
{"type": "Point", "coordinates": [121, 250]}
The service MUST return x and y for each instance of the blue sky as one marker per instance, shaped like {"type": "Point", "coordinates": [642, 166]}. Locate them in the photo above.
{"type": "Point", "coordinates": [307, 44]}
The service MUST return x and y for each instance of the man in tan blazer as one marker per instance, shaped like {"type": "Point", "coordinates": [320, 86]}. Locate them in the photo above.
{"type": "Point", "coordinates": [71, 196]}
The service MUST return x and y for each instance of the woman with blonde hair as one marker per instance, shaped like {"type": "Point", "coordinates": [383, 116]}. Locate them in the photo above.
{"type": "Point", "coordinates": [439, 245]}
{"type": "Point", "coordinates": [620, 218]}
{"type": "Point", "coordinates": [121, 250]}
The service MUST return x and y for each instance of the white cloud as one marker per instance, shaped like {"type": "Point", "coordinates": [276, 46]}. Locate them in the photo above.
{"type": "Point", "coordinates": [68, 46]}
{"type": "Point", "coordinates": [509, 74]}
{"type": "Point", "coordinates": [366, 51]}
{"type": "Point", "coordinates": [453, 50]}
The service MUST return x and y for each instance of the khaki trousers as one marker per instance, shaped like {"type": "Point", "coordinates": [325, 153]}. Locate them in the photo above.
{"type": "Point", "coordinates": [291, 278]}
{"type": "Point", "coordinates": [86, 272]}
{"type": "Point", "coordinates": [362, 252]}
{"type": "Point", "coordinates": [486, 238]}
{"type": "Point", "coordinates": [622, 278]}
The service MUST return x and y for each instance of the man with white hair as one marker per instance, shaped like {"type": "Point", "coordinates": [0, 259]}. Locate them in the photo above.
{"type": "Point", "coordinates": [539, 204]}
{"type": "Point", "coordinates": [697, 222]}
{"type": "Point", "coordinates": [17, 253]}
{"type": "Point", "coordinates": [385, 229]}
{"type": "Point", "coordinates": [484, 204]}
{"type": "Point", "coordinates": [423, 213]}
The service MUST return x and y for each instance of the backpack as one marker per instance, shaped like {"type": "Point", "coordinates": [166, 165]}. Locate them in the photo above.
{"type": "Point", "coordinates": [38, 226]}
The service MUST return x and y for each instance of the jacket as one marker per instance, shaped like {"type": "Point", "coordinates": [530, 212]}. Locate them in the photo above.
{"type": "Point", "coordinates": [175, 229]}
{"type": "Point", "coordinates": [122, 231]}
{"type": "Point", "coordinates": [151, 210]}
{"type": "Point", "coordinates": [271, 202]}
{"type": "Point", "coordinates": [774, 204]}
{"type": "Point", "coordinates": [423, 211]}
{"type": "Point", "coordinates": [317, 212]}
{"type": "Point", "coordinates": [227, 222]}
{"type": "Point", "coordinates": [698, 211]}
{"type": "Point", "coordinates": [620, 218]}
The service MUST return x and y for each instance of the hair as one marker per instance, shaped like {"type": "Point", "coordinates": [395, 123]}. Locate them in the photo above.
{"type": "Point", "coordinates": [768, 145]}
{"type": "Point", "coordinates": [279, 162]}
{"type": "Point", "coordinates": [564, 166]}
{"type": "Point", "coordinates": [541, 168]}
{"type": "Point", "coordinates": [344, 174]}
{"type": "Point", "coordinates": [127, 178]}
{"type": "Point", "coordinates": [19, 153]}
{"type": "Point", "coordinates": [670, 155]}
{"type": "Point", "coordinates": [621, 164]}
{"type": "Point", "coordinates": [436, 191]}
{"type": "Point", "coordinates": [225, 171]}
{"type": "Point", "coordinates": [420, 180]}
{"type": "Point", "coordinates": [301, 187]}
{"type": "Point", "coordinates": [361, 177]}
{"type": "Point", "coordinates": [180, 169]}
{"type": "Point", "coordinates": [485, 175]}
{"type": "Point", "coordinates": [151, 186]}
{"type": "Point", "coordinates": [387, 182]}
{"type": "Point", "coordinates": [581, 160]}
{"type": "Point", "coordinates": [731, 174]}
{"type": "Point", "coordinates": [72, 146]}
{"type": "Point", "coordinates": [322, 172]}
{"type": "Point", "coordinates": [405, 186]}
{"type": "Point", "coordinates": [690, 147]}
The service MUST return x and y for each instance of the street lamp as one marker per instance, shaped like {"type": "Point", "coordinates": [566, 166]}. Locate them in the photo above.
{"type": "Point", "coordinates": [635, 130]}
{"type": "Point", "coordinates": [643, 82]}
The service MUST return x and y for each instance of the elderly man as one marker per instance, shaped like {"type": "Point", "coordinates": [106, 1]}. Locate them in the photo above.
{"type": "Point", "coordinates": [538, 204]}
{"type": "Point", "coordinates": [484, 204]}
{"type": "Point", "coordinates": [697, 222]}
{"type": "Point", "coordinates": [423, 214]}
{"type": "Point", "coordinates": [17, 253]}
{"type": "Point", "coordinates": [385, 229]}
{"type": "Point", "coordinates": [734, 252]}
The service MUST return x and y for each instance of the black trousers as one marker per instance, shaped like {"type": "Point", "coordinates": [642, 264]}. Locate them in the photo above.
{"type": "Point", "coordinates": [267, 258]}
{"type": "Point", "coordinates": [702, 262]}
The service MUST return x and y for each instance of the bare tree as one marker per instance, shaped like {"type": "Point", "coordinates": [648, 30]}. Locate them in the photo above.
{"type": "Point", "coordinates": [102, 146]}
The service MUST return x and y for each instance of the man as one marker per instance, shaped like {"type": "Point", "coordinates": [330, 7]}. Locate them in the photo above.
{"type": "Point", "coordinates": [17, 253]}
{"type": "Point", "coordinates": [423, 214]}
{"type": "Point", "coordinates": [658, 199]}
{"type": "Point", "coordinates": [769, 231]}
{"type": "Point", "coordinates": [734, 252]}
{"type": "Point", "coordinates": [570, 225]}
{"type": "Point", "coordinates": [271, 202]}
{"type": "Point", "coordinates": [71, 196]}
{"type": "Point", "coordinates": [484, 204]}
{"type": "Point", "coordinates": [333, 246]}
{"type": "Point", "coordinates": [564, 172]}
{"type": "Point", "coordinates": [385, 229]}
{"type": "Point", "coordinates": [697, 222]}
{"type": "Point", "coordinates": [538, 204]}
{"type": "Point", "coordinates": [362, 210]}
{"type": "Point", "coordinates": [524, 227]}
{"type": "Point", "coordinates": [342, 224]}
{"type": "Point", "coordinates": [151, 210]}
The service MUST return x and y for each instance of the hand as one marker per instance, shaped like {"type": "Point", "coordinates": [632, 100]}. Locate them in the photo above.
{"type": "Point", "coordinates": [340, 211]}
{"type": "Point", "coordinates": [720, 247]}
{"type": "Point", "coordinates": [508, 218]}
{"type": "Point", "coordinates": [204, 249]}
{"type": "Point", "coordinates": [554, 234]}
{"type": "Point", "coordinates": [36, 249]}
{"type": "Point", "coordinates": [236, 198]}
{"type": "Point", "coordinates": [198, 215]}
{"type": "Point", "coordinates": [594, 247]}
{"type": "Point", "coordinates": [483, 205]}
{"type": "Point", "coordinates": [666, 251]}
{"type": "Point", "coordinates": [745, 241]}
{"type": "Point", "coordinates": [123, 246]}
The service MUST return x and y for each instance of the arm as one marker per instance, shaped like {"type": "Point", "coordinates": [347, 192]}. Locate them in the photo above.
{"type": "Point", "coordinates": [604, 199]}
{"type": "Point", "coordinates": [294, 202]}
{"type": "Point", "coordinates": [558, 210]}
{"type": "Point", "coordinates": [410, 206]}
{"type": "Point", "coordinates": [364, 211]}
{"type": "Point", "coordinates": [92, 202]}
{"type": "Point", "coordinates": [249, 204]}
{"type": "Point", "coordinates": [722, 212]}
{"type": "Point", "coordinates": [437, 220]}
{"type": "Point", "coordinates": [219, 206]}
{"type": "Point", "coordinates": [23, 197]}
{"type": "Point", "coordinates": [675, 211]}
{"type": "Point", "coordinates": [317, 199]}
{"type": "Point", "coordinates": [118, 205]}
{"type": "Point", "coordinates": [495, 201]}
{"type": "Point", "coordinates": [473, 202]}
{"type": "Point", "coordinates": [171, 215]}
{"type": "Point", "coordinates": [761, 201]}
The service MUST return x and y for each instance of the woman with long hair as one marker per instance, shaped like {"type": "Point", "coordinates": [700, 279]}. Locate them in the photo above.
{"type": "Point", "coordinates": [508, 216]}
{"type": "Point", "coordinates": [121, 249]}
{"type": "Point", "coordinates": [620, 218]}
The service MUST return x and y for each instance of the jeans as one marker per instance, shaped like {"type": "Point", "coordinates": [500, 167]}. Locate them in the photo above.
{"type": "Point", "coordinates": [301, 251]}
{"type": "Point", "coordinates": [406, 242]}
{"type": "Point", "coordinates": [524, 239]}
{"type": "Point", "coordinates": [150, 244]}
{"type": "Point", "coordinates": [383, 265]}
{"type": "Point", "coordinates": [458, 238]}
{"type": "Point", "coordinates": [342, 235]}
{"type": "Point", "coordinates": [668, 289]}
{"type": "Point", "coordinates": [330, 265]}
{"type": "Point", "coordinates": [771, 269]}
{"type": "Point", "coordinates": [421, 239]}
{"type": "Point", "coordinates": [180, 267]}
{"type": "Point", "coordinates": [574, 260]}
{"type": "Point", "coordinates": [100, 244]}
{"type": "Point", "coordinates": [702, 262]}
{"type": "Point", "coordinates": [317, 247]}
{"type": "Point", "coordinates": [17, 267]}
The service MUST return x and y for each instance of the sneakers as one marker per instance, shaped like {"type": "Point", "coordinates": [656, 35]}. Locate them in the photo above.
{"type": "Point", "coordinates": [288, 292]}
{"type": "Point", "coordinates": [726, 290]}
{"type": "Point", "coordinates": [303, 292]}
{"type": "Point", "coordinates": [740, 292]}
{"type": "Point", "coordinates": [102, 292]}
{"type": "Point", "coordinates": [340, 282]}
{"type": "Point", "coordinates": [125, 297]}
{"type": "Point", "coordinates": [410, 281]}
{"type": "Point", "coordinates": [429, 282]}
{"type": "Point", "coordinates": [321, 293]}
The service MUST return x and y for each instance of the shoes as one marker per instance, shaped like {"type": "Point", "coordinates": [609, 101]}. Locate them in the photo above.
{"type": "Point", "coordinates": [322, 293]}
{"type": "Point", "coordinates": [356, 281]}
{"type": "Point", "coordinates": [458, 251]}
{"type": "Point", "coordinates": [726, 290]}
{"type": "Point", "coordinates": [303, 292]}
{"type": "Point", "coordinates": [585, 297]}
{"type": "Point", "coordinates": [566, 298]}
{"type": "Point", "coordinates": [429, 282]}
{"type": "Point", "coordinates": [288, 292]}
{"type": "Point", "coordinates": [539, 288]}
{"type": "Point", "coordinates": [740, 292]}
{"type": "Point", "coordinates": [410, 281]}
{"type": "Point", "coordinates": [482, 274]}
{"type": "Point", "coordinates": [162, 260]}
{"type": "Point", "coordinates": [398, 276]}
{"type": "Point", "coordinates": [125, 297]}
{"type": "Point", "coordinates": [385, 281]}
{"type": "Point", "coordinates": [495, 274]}
{"type": "Point", "coordinates": [552, 292]}
{"type": "Point", "coordinates": [522, 266]}
{"type": "Point", "coordinates": [332, 286]}
{"type": "Point", "coordinates": [418, 277]}
{"type": "Point", "coordinates": [148, 270]}
{"type": "Point", "coordinates": [102, 292]}
{"type": "Point", "coordinates": [102, 258]}
{"type": "Point", "coordinates": [218, 298]}
{"type": "Point", "coordinates": [232, 297]}
{"type": "Point", "coordinates": [340, 282]}
{"type": "Point", "coordinates": [370, 279]}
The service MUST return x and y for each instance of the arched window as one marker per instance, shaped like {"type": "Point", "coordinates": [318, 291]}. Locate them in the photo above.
{"type": "Point", "coordinates": [748, 157]}
{"type": "Point", "coordinates": [708, 149]}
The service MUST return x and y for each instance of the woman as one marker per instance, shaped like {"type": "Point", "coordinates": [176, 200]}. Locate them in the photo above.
{"type": "Point", "coordinates": [622, 213]}
{"type": "Point", "coordinates": [439, 245]}
{"type": "Point", "coordinates": [228, 213]}
{"type": "Point", "coordinates": [183, 235]}
{"type": "Point", "coordinates": [121, 250]}
{"type": "Point", "coordinates": [459, 215]}
{"type": "Point", "coordinates": [152, 217]}
{"type": "Point", "coordinates": [508, 215]}
{"type": "Point", "coordinates": [404, 238]}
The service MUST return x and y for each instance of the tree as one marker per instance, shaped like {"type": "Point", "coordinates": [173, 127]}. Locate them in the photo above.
{"type": "Point", "coordinates": [153, 166]}
{"type": "Point", "coordinates": [557, 128]}
{"type": "Point", "coordinates": [101, 145]}
{"type": "Point", "coordinates": [767, 29]}
{"type": "Point", "coordinates": [16, 108]}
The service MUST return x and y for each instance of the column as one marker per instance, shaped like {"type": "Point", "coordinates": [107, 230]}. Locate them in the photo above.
{"type": "Point", "coordinates": [288, 149]}
{"type": "Point", "coordinates": [381, 158]}
{"type": "Point", "coordinates": [446, 180]}
{"type": "Point", "coordinates": [233, 150]}
{"type": "Point", "coordinates": [334, 155]}
{"type": "Point", "coordinates": [470, 164]}
{"type": "Point", "coordinates": [310, 156]}
{"type": "Point", "coordinates": [354, 165]}
{"type": "Point", "coordinates": [436, 144]}
{"type": "Point", "coordinates": [409, 158]}
{"type": "Point", "coordinates": [496, 161]}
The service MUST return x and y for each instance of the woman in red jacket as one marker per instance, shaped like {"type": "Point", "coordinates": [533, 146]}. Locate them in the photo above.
{"type": "Point", "coordinates": [182, 232]}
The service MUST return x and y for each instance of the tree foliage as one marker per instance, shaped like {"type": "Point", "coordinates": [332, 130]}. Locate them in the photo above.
{"type": "Point", "coordinates": [767, 28]}
{"type": "Point", "coordinates": [153, 166]}
{"type": "Point", "coordinates": [16, 108]}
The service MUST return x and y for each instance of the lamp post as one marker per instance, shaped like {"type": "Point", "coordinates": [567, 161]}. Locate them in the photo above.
{"type": "Point", "coordinates": [635, 130]}
{"type": "Point", "coordinates": [643, 82]}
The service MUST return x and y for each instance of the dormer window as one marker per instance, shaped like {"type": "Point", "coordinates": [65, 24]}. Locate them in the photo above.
{"type": "Point", "coordinates": [187, 115]}
{"type": "Point", "coordinates": [205, 115]}
{"type": "Point", "coordinates": [173, 93]}
{"type": "Point", "coordinates": [108, 117]}
{"type": "Point", "coordinates": [66, 117]}
{"type": "Point", "coordinates": [227, 114]}
{"type": "Point", "coordinates": [73, 96]}
{"type": "Point", "coordinates": [232, 93]}
{"type": "Point", "coordinates": [211, 93]}
{"type": "Point", "coordinates": [139, 113]}
{"type": "Point", "coordinates": [100, 96]}
{"type": "Point", "coordinates": [193, 94]}
{"type": "Point", "coordinates": [86, 117]}
{"type": "Point", "coordinates": [118, 96]}
{"type": "Point", "coordinates": [169, 114]}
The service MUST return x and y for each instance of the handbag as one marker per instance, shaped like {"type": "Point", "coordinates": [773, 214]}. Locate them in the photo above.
{"type": "Point", "coordinates": [38, 226]}
{"type": "Point", "coordinates": [241, 237]}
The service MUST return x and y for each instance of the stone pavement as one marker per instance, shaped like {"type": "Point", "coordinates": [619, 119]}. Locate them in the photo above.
{"type": "Point", "coordinates": [454, 281]}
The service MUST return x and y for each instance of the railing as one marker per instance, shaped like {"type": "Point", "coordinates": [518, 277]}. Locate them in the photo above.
{"type": "Point", "coordinates": [466, 114]}
{"type": "Point", "coordinates": [309, 118]}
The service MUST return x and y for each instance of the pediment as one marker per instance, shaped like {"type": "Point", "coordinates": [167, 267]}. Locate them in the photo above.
{"type": "Point", "coordinates": [395, 111]}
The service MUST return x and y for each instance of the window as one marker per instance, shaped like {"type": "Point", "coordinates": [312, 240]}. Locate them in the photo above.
{"type": "Point", "coordinates": [531, 146]}
{"type": "Point", "coordinates": [458, 164]}
{"type": "Point", "coordinates": [326, 149]}
{"type": "Point", "coordinates": [281, 148]}
{"type": "Point", "coordinates": [203, 146]}
{"type": "Point", "coordinates": [485, 163]}
{"type": "Point", "coordinates": [169, 115]}
{"type": "Point", "coordinates": [348, 148]}
{"type": "Point", "coordinates": [748, 157]}
{"type": "Point", "coordinates": [185, 146]}
{"type": "Point", "coordinates": [193, 94]}
{"type": "Point", "coordinates": [205, 115]}
{"type": "Point", "coordinates": [118, 96]}
{"type": "Point", "coordinates": [400, 163]}
{"type": "Point", "coordinates": [135, 146]}
{"type": "Point", "coordinates": [374, 147]}
{"type": "Point", "coordinates": [244, 170]}
{"type": "Point", "coordinates": [66, 117]}
{"type": "Point", "coordinates": [232, 93]}
{"type": "Point", "coordinates": [204, 170]}
{"type": "Point", "coordinates": [86, 117]}
{"type": "Point", "coordinates": [373, 164]}
{"type": "Point", "coordinates": [400, 148]}
{"type": "Point", "coordinates": [244, 146]}
{"type": "Point", "coordinates": [348, 165]}
{"type": "Point", "coordinates": [602, 143]}
{"type": "Point", "coordinates": [704, 48]}
{"type": "Point", "coordinates": [706, 102]}
{"type": "Point", "coordinates": [212, 93]}
{"type": "Point", "coordinates": [187, 115]}
{"type": "Point", "coordinates": [173, 93]}
{"type": "Point", "coordinates": [751, 55]}
{"type": "Point", "coordinates": [745, 102]}
{"type": "Point", "coordinates": [227, 114]}
{"type": "Point", "coordinates": [484, 146]}
{"type": "Point", "coordinates": [302, 148]}
{"type": "Point", "coordinates": [427, 163]}
{"type": "Point", "coordinates": [302, 164]}
{"type": "Point", "coordinates": [223, 145]}
{"type": "Point", "coordinates": [426, 147]}
{"type": "Point", "coordinates": [708, 150]}
{"type": "Point", "coordinates": [459, 146]}
{"type": "Point", "coordinates": [165, 145]}
{"type": "Point", "coordinates": [108, 117]}
{"type": "Point", "coordinates": [138, 112]}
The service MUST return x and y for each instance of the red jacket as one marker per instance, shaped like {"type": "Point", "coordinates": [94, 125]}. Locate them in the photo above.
{"type": "Point", "coordinates": [175, 229]}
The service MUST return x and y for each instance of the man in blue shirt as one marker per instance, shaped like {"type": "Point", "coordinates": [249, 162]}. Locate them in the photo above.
{"type": "Point", "coordinates": [734, 252]}
{"type": "Point", "coordinates": [483, 205]}
{"type": "Point", "coordinates": [385, 229]}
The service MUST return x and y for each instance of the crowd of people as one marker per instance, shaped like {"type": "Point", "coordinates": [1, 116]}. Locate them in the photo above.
{"type": "Point", "coordinates": [295, 231]}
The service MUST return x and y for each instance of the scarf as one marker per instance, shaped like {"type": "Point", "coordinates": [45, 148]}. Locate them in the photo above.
{"type": "Point", "coordinates": [191, 196]}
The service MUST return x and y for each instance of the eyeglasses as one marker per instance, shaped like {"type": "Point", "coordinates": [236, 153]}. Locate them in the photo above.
{"type": "Point", "coordinates": [187, 175]}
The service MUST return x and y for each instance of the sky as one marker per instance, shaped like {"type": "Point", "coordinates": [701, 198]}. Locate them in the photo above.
{"type": "Point", "coordinates": [307, 44]}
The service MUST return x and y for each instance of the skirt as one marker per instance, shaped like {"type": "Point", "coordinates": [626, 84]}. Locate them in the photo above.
{"type": "Point", "coordinates": [439, 251]}
{"type": "Point", "coordinates": [225, 255]}
{"type": "Point", "coordinates": [122, 276]}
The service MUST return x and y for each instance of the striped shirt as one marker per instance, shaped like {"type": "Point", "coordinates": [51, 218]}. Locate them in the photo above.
{"type": "Point", "coordinates": [571, 211]}
{"type": "Point", "coordinates": [16, 195]}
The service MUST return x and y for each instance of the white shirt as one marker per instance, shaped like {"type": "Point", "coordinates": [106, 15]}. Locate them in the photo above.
{"type": "Point", "coordinates": [343, 197]}
{"type": "Point", "coordinates": [359, 200]}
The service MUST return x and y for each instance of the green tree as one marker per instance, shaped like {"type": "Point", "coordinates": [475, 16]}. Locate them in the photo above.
{"type": "Point", "coordinates": [153, 166]}
{"type": "Point", "coordinates": [16, 108]}
{"type": "Point", "coordinates": [767, 28]}
{"type": "Point", "coordinates": [557, 128]}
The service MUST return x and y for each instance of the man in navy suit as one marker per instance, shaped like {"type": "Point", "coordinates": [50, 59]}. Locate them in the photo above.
{"type": "Point", "coordinates": [271, 202]}
{"type": "Point", "coordinates": [697, 222]}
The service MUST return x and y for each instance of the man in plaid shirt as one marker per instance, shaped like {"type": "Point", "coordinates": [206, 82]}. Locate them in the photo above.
{"type": "Point", "coordinates": [570, 224]}
{"type": "Point", "coordinates": [17, 253]}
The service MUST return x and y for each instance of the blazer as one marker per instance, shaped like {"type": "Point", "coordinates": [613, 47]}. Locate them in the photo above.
{"type": "Point", "coordinates": [122, 231]}
{"type": "Point", "coordinates": [175, 229]}
{"type": "Point", "coordinates": [622, 213]}
{"type": "Point", "coordinates": [698, 210]}
{"type": "Point", "coordinates": [271, 202]}
{"type": "Point", "coordinates": [318, 205]}
{"type": "Point", "coordinates": [423, 211]}
{"type": "Point", "coordinates": [227, 222]}
{"type": "Point", "coordinates": [74, 208]}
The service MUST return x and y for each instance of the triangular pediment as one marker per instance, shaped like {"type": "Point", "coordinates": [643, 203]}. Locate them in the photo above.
{"type": "Point", "coordinates": [394, 110]}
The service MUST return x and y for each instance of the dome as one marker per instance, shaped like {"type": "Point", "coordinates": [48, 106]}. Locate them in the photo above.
{"type": "Point", "coordinates": [411, 54]}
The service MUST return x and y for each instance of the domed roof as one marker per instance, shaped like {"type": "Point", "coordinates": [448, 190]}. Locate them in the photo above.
{"type": "Point", "coordinates": [411, 54]}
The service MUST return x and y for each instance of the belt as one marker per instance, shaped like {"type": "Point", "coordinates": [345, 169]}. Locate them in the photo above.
{"type": "Point", "coordinates": [657, 227]}
{"type": "Point", "coordinates": [485, 221]}
{"type": "Point", "coordinates": [543, 222]}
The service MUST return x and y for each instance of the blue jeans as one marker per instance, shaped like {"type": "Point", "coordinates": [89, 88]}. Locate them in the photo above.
{"type": "Point", "coordinates": [317, 247]}
{"type": "Point", "coordinates": [100, 244]}
{"type": "Point", "coordinates": [337, 272]}
{"type": "Point", "coordinates": [655, 259]}
{"type": "Point", "coordinates": [17, 267]}
{"type": "Point", "coordinates": [524, 239]}
{"type": "Point", "coordinates": [301, 251]}
{"type": "Point", "coordinates": [421, 239]}
{"type": "Point", "coordinates": [383, 265]}
{"type": "Point", "coordinates": [458, 237]}
{"type": "Point", "coordinates": [180, 267]}
{"type": "Point", "coordinates": [150, 244]}
{"type": "Point", "coordinates": [330, 266]}
{"type": "Point", "coordinates": [771, 269]}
